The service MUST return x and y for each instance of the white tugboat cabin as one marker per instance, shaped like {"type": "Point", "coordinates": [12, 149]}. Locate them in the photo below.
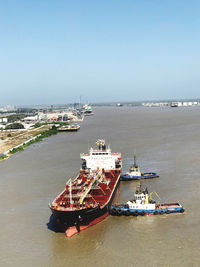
{"type": "Point", "coordinates": [141, 201]}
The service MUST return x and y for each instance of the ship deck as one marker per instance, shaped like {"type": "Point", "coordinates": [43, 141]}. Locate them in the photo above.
{"type": "Point", "coordinates": [86, 192]}
{"type": "Point", "coordinates": [169, 205]}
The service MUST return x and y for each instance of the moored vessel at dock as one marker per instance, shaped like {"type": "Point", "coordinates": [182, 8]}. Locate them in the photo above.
{"type": "Point", "coordinates": [87, 110]}
{"type": "Point", "coordinates": [69, 128]}
{"type": "Point", "coordinates": [87, 199]}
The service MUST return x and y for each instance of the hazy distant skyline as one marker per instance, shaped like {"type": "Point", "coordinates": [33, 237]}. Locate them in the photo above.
{"type": "Point", "coordinates": [55, 51]}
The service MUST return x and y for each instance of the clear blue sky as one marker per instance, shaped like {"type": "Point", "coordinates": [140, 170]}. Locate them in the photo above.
{"type": "Point", "coordinates": [54, 51]}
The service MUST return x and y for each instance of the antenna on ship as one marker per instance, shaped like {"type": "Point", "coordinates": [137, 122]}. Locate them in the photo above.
{"type": "Point", "coordinates": [135, 163]}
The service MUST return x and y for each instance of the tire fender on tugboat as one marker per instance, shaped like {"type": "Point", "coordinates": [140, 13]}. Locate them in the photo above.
{"type": "Point", "coordinates": [113, 211]}
{"type": "Point", "coordinates": [127, 212]}
{"type": "Point", "coordinates": [182, 210]}
{"type": "Point", "coordinates": [119, 212]}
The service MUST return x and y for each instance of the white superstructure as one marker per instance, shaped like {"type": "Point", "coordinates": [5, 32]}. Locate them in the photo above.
{"type": "Point", "coordinates": [101, 158]}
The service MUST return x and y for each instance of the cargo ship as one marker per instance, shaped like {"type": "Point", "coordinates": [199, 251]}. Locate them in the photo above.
{"type": "Point", "coordinates": [87, 199]}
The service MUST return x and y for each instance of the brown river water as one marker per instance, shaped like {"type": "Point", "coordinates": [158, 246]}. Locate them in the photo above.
{"type": "Point", "coordinates": [165, 140]}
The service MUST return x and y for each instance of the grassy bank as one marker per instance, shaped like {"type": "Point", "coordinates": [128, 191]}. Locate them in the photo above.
{"type": "Point", "coordinates": [42, 135]}
{"type": "Point", "coordinates": [4, 157]}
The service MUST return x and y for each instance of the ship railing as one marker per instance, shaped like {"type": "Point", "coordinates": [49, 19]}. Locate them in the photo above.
{"type": "Point", "coordinates": [78, 196]}
{"type": "Point", "coordinates": [76, 187]}
{"type": "Point", "coordinates": [76, 206]}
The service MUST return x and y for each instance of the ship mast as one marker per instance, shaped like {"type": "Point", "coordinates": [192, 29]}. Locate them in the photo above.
{"type": "Point", "coordinates": [70, 193]}
{"type": "Point", "coordinates": [135, 163]}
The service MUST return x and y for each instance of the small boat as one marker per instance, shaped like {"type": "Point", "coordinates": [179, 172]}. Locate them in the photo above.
{"type": "Point", "coordinates": [69, 128]}
{"type": "Point", "coordinates": [135, 173]}
{"type": "Point", "coordinates": [119, 105]}
{"type": "Point", "coordinates": [174, 105]}
{"type": "Point", "coordinates": [143, 204]}
{"type": "Point", "coordinates": [87, 110]}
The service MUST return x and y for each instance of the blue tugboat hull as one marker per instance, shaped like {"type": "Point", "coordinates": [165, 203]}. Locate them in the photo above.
{"type": "Point", "coordinates": [150, 175]}
{"type": "Point", "coordinates": [121, 210]}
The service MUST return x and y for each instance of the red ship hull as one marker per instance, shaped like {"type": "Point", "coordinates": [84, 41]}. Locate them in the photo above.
{"type": "Point", "coordinates": [95, 208]}
{"type": "Point", "coordinates": [73, 229]}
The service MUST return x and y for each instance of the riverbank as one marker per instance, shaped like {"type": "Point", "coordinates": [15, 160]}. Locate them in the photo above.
{"type": "Point", "coordinates": [12, 138]}
{"type": "Point", "coordinates": [20, 147]}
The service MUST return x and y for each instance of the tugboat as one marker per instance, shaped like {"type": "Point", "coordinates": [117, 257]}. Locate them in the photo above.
{"type": "Point", "coordinates": [135, 173]}
{"type": "Point", "coordinates": [143, 204]}
{"type": "Point", "coordinates": [86, 200]}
